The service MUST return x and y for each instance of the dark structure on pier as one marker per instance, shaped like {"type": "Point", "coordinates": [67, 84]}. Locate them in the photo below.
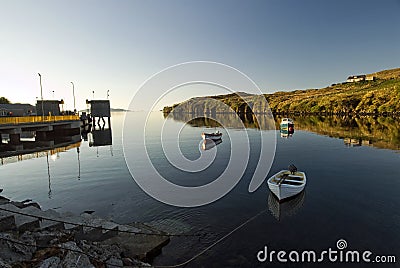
{"type": "Point", "coordinates": [50, 107]}
{"type": "Point", "coordinates": [98, 110]}
{"type": "Point", "coordinates": [102, 135]}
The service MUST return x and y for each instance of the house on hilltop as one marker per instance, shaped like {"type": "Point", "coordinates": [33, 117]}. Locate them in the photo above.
{"type": "Point", "coordinates": [360, 77]}
{"type": "Point", "coordinates": [356, 78]}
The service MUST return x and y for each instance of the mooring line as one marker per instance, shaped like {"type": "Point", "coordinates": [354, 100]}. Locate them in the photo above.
{"type": "Point", "coordinates": [165, 234]}
{"type": "Point", "coordinates": [213, 244]}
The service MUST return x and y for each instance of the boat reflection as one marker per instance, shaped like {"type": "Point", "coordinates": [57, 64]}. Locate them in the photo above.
{"type": "Point", "coordinates": [287, 133]}
{"type": "Point", "coordinates": [209, 144]}
{"type": "Point", "coordinates": [286, 208]}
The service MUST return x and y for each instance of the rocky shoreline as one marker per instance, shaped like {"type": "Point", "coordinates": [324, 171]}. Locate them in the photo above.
{"type": "Point", "coordinates": [32, 237]}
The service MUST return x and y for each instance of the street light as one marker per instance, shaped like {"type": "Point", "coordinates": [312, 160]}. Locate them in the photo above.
{"type": "Point", "coordinates": [108, 95]}
{"type": "Point", "coordinates": [73, 94]}
{"type": "Point", "coordinates": [41, 94]}
{"type": "Point", "coordinates": [93, 94]}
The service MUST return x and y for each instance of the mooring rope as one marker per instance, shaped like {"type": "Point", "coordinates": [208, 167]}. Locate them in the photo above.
{"type": "Point", "coordinates": [156, 266]}
{"type": "Point", "coordinates": [213, 244]}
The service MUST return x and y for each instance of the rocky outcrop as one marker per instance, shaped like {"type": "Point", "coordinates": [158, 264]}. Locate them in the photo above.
{"type": "Point", "coordinates": [377, 97]}
{"type": "Point", "coordinates": [31, 237]}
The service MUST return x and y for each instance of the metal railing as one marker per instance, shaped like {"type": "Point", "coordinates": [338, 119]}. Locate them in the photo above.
{"type": "Point", "coordinates": [37, 119]}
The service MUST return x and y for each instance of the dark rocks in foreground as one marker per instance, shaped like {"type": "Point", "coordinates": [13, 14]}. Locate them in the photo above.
{"type": "Point", "coordinates": [31, 237]}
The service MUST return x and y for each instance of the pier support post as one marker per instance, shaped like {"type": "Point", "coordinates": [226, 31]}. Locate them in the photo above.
{"type": "Point", "coordinates": [41, 136]}
{"type": "Point", "coordinates": [15, 139]}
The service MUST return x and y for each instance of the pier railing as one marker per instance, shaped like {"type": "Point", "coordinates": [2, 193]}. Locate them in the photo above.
{"type": "Point", "coordinates": [36, 119]}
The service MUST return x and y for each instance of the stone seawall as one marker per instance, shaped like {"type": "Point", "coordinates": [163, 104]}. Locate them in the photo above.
{"type": "Point", "coordinates": [32, 237]}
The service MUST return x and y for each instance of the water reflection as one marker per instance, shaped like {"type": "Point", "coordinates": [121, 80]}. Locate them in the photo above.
{"type": "Point", "coordinates": [380, 132]}
{"type": "Point", "coordinates": [85, 130]}
{"type": "Point", "coordinates": [78, 150]}
{"type": "Point", "coordinates": [100, 137]}
{"type": "Point", "coordinates": [30, 146]}
{"type": "Point", "coordinates": [286, 133]}
{"type": "Point", "coordinates": [209, 144]}
{"type": "Point", "coordinates": [226, 120]}
{"type": "Point", "coordinates": [48, 174]}
{"type": "Point", "coordinates": [286, 208]}
{"type": "Point", "coordinates": [51, 151]}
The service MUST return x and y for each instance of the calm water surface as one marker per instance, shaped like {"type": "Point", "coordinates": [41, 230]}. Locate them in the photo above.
{"type": "Point", "coordinates": [352, 193]}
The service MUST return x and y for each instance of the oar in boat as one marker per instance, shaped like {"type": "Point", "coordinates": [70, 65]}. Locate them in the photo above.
{"type": "Point", "coordinates": [282, 179]}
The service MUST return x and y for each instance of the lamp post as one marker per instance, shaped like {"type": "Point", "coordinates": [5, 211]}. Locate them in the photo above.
{"type": "Point", "coordinates": [73, 94]}
{"type": "Point", "coordinates": [93, 94]}
{"type": "Point", "coordinates": [41, 94]}
{"type": "Point", "coordinates": [108, 95]}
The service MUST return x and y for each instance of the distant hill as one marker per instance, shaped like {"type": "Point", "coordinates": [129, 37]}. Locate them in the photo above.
{"type": "Point", "coordinates": [112, 110]}
{"type": "Point", "coordinates": [119, 110]}
{"type": "Point", "coordinates": [379, 96]}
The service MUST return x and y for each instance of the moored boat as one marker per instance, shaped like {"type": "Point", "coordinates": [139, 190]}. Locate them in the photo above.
{"type": "Point", "coordinates": [287, 183]}
{"type": "Point", "coordinates": [285, 133]}
{"type": "Point", "coordinates": [212, 136]}
{"type": "Point", "coordinates": [287, 123]}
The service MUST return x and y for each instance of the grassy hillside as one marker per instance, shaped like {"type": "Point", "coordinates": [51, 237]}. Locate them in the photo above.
{"type": "Point", "coordinates": [381, 96]}
{"type": "Point", "coordinates": [387, 74]}
{"type": "Point", "coordinates": [360, 97]}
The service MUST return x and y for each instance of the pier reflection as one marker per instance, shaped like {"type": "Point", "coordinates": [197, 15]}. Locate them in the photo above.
{"type": "Point", "coordinates": [49, 194]}
{"type": "Point", "coordinates": [40, 149]}
{"type": "Point", "coordinates": [100, 137]}
{"type": "Point", "coordinates": [290, 207]}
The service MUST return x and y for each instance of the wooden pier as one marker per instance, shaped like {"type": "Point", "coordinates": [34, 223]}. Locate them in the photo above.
{"type": "Point", "coordinates": [44, 129]}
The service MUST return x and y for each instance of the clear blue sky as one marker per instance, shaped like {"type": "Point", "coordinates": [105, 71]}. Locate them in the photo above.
{"type": "Point", "coordinates": [117, 45]}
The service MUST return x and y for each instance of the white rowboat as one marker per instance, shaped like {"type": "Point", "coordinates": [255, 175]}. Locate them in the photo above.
{"type": "Point", "coordinates": [285, 184]}
{"type": "Point", "coordinates": [212, 136]}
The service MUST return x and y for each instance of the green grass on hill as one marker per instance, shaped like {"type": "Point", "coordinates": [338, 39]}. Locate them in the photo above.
{"type": "Point", "coordinates": [364, 97]}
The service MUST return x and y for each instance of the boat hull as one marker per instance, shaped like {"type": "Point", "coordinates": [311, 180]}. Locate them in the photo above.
{"type": "Point", "coordinates": [213, 137]}
{"type": "Point", "coordinates": [284, 191]}
{"type": "Point", "coordinates": [287, 126]}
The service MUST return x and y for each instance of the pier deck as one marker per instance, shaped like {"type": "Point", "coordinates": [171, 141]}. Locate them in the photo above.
{"type": "Point", "coordinates": [44, 129]}
{"type": "Point", "coordinates": [18, 120]}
